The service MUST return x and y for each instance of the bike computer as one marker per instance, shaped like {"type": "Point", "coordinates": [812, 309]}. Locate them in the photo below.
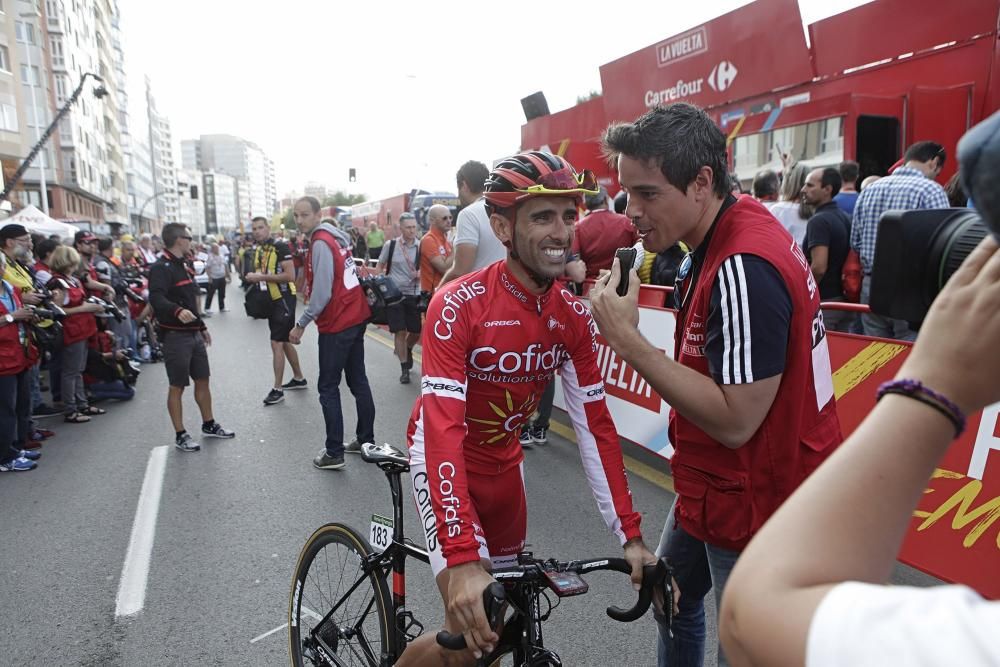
{"type": "Point", "coordinates": [566, 584]}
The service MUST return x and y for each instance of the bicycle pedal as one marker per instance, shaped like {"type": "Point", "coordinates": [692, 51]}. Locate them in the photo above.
{"type": "Point", "coordinates": [405, 622]}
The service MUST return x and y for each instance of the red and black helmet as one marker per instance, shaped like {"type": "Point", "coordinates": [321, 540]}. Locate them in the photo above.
{"type": "Point", "coordinates": [535, 174]}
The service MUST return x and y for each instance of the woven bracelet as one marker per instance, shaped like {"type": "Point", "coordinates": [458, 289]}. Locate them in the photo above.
{"type": "Point", "coordinates": [916, 390]}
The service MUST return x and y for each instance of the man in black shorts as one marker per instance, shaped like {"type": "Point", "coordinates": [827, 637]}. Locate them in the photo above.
{"type": "Point", "coordinates": [173, 294]}
{"type": "Point", "coordinates": [274, 271]}
{"type": "Point", "coordinates": [400, 260]}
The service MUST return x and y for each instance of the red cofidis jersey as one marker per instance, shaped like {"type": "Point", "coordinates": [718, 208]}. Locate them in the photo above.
{"type": "Point", "coordinates": [490, 347]}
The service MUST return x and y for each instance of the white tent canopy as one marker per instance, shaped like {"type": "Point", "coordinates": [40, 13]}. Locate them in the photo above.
{"type": "Point", "coordinates": [36, 221]}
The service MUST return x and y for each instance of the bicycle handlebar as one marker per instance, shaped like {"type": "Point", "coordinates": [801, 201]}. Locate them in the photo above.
{"type": "Point", "coordinates": [494, 595]}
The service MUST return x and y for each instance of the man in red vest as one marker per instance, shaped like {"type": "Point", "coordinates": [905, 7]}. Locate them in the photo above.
{"type": "Point", "coordinates": [338, 306]}
{"type": "Point", "coordinates": [753, 412]}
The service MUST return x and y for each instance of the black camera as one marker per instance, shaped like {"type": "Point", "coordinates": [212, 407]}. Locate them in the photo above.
{"type": "Point", "coordinates": [110, 309]}
{"type": "Point", "coordinates": [423, 301]}
{"type": "Point", "coordinates": [915, 255]}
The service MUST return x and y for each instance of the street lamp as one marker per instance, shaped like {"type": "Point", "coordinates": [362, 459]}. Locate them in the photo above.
{"type": "Point", "coordinates": [142, 209]}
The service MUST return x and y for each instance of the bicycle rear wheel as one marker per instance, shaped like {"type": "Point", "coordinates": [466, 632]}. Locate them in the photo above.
{"type": "Point", "coordinates": [329, 576]}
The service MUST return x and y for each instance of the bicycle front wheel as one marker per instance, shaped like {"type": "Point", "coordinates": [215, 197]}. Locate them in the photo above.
{"type": "Point", "coordinates": [330, 581]}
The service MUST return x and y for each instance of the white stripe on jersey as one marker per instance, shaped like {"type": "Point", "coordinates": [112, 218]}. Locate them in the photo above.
{"type": "Point", "coordinates": [737, 367]}
{"type": "Point", "coordinates": [575, 397]}
{"type": "Point", "coordinates": [417, 440]}
{"type": "Point", "coordinates": [444, 387]}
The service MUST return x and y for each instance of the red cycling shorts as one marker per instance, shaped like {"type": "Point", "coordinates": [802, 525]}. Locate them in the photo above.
{"type": "Point", "coordinates": [499, 514]}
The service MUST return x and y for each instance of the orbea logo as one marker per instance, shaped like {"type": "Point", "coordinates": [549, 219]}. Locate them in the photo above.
{"type": "Point", "coordinates": [681, 47]}
{"type": "Point", "coordinates": [722, 76]}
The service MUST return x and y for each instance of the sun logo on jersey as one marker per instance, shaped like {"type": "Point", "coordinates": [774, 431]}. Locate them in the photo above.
{"type": "Point", "coordinates": [508, 420]}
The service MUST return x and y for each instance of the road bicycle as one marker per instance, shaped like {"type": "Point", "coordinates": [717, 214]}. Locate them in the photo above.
{"type": "Point", "coordinates": [341, 611]}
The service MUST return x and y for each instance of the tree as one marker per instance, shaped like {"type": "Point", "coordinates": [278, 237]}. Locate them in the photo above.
{"type": "Point", "coordinates": [586, 98]}
{"type": "Point", "coordinates": [341, 198]}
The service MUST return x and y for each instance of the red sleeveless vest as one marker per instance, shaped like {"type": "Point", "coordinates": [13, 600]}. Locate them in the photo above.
{"type": "Point", "coordinates": [348, 306]}
{"type": "Point", "coordinates": [725, 495]}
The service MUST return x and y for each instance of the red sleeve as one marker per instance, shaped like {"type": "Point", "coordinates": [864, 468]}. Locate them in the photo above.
{"type": "Point", "coordinates": [441, 427]}
{"type": "Point", "coordinates": [600, 448]}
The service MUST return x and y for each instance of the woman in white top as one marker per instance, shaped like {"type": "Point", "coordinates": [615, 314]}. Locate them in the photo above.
{"type": "Point", "coordinates": [217, 269]}
{"type": "Point", "coordinates": [809, 587]}
{"type": "Point", "coordinates": [790, 211]}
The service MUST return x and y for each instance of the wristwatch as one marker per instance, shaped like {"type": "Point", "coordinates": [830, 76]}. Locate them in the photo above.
{"type": "Point", "coordinates": [8, 318]}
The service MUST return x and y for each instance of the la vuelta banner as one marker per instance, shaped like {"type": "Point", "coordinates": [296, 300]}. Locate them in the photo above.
{"type": "Point", "coordinates": [751, 50]}
{"type": "Point", "coordinates": [955, 531]}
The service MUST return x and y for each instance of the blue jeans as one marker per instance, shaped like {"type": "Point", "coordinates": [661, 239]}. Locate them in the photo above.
{"type": "Point", "coordinates": [344, 352]}
{"type": "Point", "coordinates": [883, 327]}
{"type": "Point", "coordinates": [15, 414]}
{"type": "Point", "coordinates": [698, 568]}
{"type": "Point", "coordinates": [115, 390]}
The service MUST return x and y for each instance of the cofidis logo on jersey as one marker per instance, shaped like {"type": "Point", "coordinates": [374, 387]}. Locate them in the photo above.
{"type": "Point", "coordinates": [622, 381]}
{"type": "Point", "coordinates": [454, 299]}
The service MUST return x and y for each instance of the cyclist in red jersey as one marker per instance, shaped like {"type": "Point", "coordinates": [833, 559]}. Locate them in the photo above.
{"type": "Point", "coordinates": [493, 339]}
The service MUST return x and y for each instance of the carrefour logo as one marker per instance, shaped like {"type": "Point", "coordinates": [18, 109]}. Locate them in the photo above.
{"type": "Point", "coordinates": [722, 76]}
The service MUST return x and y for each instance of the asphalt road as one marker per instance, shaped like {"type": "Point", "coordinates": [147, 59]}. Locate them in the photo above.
{"type": "Point", "coordinates": [233, 517]}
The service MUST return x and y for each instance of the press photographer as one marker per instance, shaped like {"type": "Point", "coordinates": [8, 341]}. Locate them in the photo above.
{"type": "Point", "coordinates": [17, 357]}
{"type": "Point", "coordinates": [400, 262]}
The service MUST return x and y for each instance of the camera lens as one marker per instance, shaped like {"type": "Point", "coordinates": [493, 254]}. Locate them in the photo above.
{"type": "Point", "coordinates": [953, 241]}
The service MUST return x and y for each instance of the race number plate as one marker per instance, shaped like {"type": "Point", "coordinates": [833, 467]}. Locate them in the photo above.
{"type": "Point", "coordinates": [380, 532]}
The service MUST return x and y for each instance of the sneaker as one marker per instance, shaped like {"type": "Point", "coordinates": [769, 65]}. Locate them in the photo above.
{"type": "Point", "coordinates": [223, 310]}
{"type": "Point", "coordinates": [186, 443]}
{"type": "Point", "coordinates": [405, 377]}
{"type": "Point", "coordinates": [539, 435]}
{"type": "Point", "coordinates": [43, 411]}
{"type": "Point", "coordinates": [41, 434]}
{"type": "Point", "coordinates": [32, 444]}
{"type": "Point", "coordinates": [19, 464]}
{"type": "Point", "coordinates": [295, 384]}
{"type": "Point", "coordinates": [274, 396]}
{"type": "Point", "coordinates": [207, 311]}
{"type": "Point", "coordinates": [31, 456]}
{"type": "Point", "coordinates": [216, 431]}
{"type": "Point", "coordinates": [326, 462]}
{"type": "Point", "coordinates": [207, 314]}
{"type": "Point", "coordinates": [353, 447]}
{"type": "Point", "coordinates": [525, 438]}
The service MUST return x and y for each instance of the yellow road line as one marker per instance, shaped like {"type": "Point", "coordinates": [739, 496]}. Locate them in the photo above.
{"type": "Point", "coordinates": [862, 365]}
{"type": "Point", "coordinates": [638, 468]}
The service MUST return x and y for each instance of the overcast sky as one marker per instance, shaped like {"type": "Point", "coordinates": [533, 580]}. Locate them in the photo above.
{"type": "Point", "coordinates": [403, 91]}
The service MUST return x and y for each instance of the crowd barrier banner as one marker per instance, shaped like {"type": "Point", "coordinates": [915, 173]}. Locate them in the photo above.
{"type": "Point", "coordinates": [955, 531]}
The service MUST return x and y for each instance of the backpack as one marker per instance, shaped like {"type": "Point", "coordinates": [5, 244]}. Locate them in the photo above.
{"type": "Point", "coordinates": [851, 276]}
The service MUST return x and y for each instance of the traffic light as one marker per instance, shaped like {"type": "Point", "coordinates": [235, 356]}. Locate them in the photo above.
{"type": "Point", "coordinates": [352, 175]}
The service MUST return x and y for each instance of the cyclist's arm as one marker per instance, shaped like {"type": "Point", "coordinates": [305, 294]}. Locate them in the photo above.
{"type": "Point", "coordinates": [441, 430]}
{"type": "Point", "coordinates": [597, 436]}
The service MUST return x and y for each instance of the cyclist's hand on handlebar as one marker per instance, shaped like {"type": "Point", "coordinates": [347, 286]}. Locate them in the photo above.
{"type": "Point", "coordinates": [466, 583]}
{"type": "Point", "coordinates": [638, 555]}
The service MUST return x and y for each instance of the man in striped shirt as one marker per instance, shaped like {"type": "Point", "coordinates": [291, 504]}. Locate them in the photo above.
{"type": "Point", "coordinates": [911, 186]}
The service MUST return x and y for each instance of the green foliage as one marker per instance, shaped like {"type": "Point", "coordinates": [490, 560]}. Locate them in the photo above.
{"type": "Point", "coordinates": [586, 98]}
{"type": "Point", "coordinates": [340, 198]}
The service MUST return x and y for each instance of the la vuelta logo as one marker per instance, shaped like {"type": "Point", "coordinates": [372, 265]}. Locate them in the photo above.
{"type": "Point", "coordinates": [622, 381]}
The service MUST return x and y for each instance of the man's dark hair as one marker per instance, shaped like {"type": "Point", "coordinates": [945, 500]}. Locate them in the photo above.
{"type": "Point", "coordinates": [474, 175]}
{"type": "Point", "coordinates": [922, 151]}
{"type": "Point", "coordinates": [171, 232]}
{"type": "Point", "coordinates": [831, 178]}
{"type": "Point", "coordinates": [621, 202]}
{"type": "Point", "coordinates": [259, 217]}
{"type": "Point", "coordinates": [765, 184]}
{"type": "Point", "coordinates": [104, 242]}
{"type": "Point", "coordinates": [849, 172]}
{"type": "Point", "coordinates": [679, 138]}
{"type": "Point", "coordinates": [312, 201]}
{"type": "Point", "coordinates": [45, 247]}
{"type": "Point", "coordinates": [595, 201]}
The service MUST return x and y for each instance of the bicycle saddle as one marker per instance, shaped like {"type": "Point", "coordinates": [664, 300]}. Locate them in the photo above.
{"type": "Point", "coordinates": [384, 453]}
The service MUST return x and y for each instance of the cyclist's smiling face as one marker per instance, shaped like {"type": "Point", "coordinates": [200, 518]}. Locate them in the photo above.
{"type": "Point", "coordinates": [543, 233]}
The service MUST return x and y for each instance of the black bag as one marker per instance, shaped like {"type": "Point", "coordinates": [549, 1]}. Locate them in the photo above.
{"type": "Point", "coordinates": [382, 293]}
{"type": "Point", "coordinates": [258, 302]}
{"type": "Point", "coordinates": [48, 339]}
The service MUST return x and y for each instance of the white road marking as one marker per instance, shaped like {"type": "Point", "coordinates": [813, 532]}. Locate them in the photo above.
{"type": "Point", "coordinates": [135, 571]}
{"type": "Point", "coordinates": [268, 633]}
{"type": "Point", "coordinates": [305, 610]}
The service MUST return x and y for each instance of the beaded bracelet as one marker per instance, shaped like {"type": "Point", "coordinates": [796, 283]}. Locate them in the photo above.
{"type": "Point", "coordinates": [916, 390]}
